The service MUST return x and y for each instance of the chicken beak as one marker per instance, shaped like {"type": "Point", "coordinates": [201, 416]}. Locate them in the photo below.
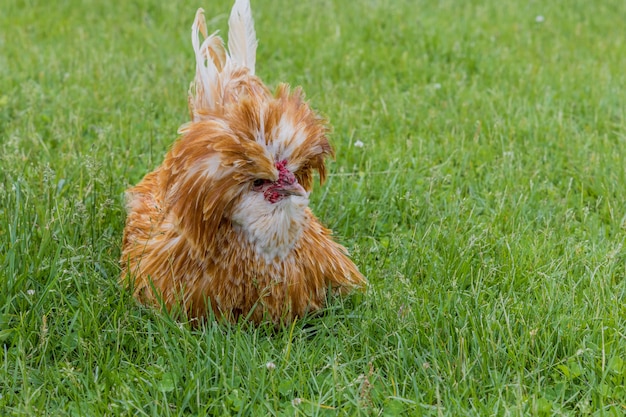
{"type": "Point", "coordinates": [292, 189]}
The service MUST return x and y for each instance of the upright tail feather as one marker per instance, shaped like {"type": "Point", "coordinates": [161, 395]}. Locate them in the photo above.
{"type": "Point", "coordinates": [210, 60]}
{"type": "Point", "coordinates": [214, 63]}
{"type": "Point", "coordinates": [242, 40]}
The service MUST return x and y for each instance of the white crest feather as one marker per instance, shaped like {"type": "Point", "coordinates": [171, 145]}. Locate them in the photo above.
{"type": "Point", "coordinates": [242, 40]}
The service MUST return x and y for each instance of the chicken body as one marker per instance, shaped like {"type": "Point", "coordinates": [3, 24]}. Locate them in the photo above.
{"type": "Point", "coordinates": [224, 223]}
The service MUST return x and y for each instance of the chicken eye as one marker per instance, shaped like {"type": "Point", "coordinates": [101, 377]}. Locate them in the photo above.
{"type": "Point", "coordinates": [258, 182]}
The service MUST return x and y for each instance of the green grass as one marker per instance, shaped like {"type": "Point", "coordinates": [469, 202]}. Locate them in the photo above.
{"type": "Point", "coordinates": [487, 207]}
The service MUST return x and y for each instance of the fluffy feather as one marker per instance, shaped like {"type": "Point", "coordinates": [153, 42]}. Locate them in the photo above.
{"type": "Point", "coordinates": [224, 223]}
{"type": "Point", "coordinates": [242, 40]}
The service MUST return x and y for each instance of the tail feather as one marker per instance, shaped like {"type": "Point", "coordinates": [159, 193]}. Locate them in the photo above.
{"type": "Point", "coordinates": [214, 64]}
{"type": "Point", "coordinates": [242, 40]}
{"type": "Point", "coordinates": [210, 58]}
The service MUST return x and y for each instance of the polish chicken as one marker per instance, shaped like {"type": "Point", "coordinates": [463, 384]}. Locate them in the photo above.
{"type": "Point", "coordinates": [223, 224]}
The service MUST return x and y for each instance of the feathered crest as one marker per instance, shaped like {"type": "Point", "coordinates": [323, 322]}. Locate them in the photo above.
{"type": "Point", "coordinates": [215, 66]}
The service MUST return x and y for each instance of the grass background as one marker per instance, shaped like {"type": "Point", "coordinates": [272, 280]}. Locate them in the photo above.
{"type": "Point", "coordinates": [487, 206]}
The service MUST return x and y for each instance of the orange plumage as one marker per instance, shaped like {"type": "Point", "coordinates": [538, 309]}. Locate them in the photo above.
{"type": "Point", "coordinates": [224, 222]}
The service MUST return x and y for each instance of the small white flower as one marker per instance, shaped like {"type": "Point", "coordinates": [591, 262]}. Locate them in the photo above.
{"type": "Point", "coordinates": [270, 366]}
{"type": "Point", "coordinates": [437, 86]}
{"type": "Point", "coordinates": [358, 144]}
{"type": "Point", "coordinates": [540, 19]}
{"type": "Point", "coordinates": [30, 292]}
{"type": "Point", "coordinates": [296, 402]}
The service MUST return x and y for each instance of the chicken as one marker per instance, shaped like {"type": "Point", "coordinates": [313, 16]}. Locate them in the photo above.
{"type": "Point", "coordinates": [224, 224]}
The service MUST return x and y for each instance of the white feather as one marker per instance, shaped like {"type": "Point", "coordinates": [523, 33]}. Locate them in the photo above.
{"type": "Point", "coordinates": [206, 81]}
{"type": "Point", "coordinates": [242, 40]}
{"type": "Point", "coordinates": [273, 229]}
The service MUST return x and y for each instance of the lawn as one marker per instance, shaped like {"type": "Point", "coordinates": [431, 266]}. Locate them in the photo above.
{"type": "Point", "coordinates": [479, 183]}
